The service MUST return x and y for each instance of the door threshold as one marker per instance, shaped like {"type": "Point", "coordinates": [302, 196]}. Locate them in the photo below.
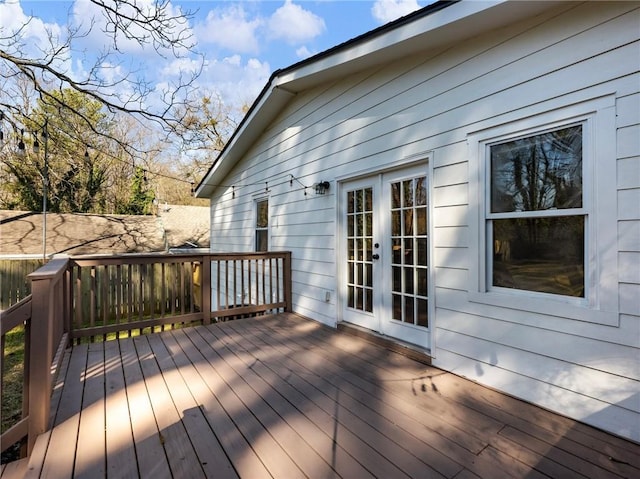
{"type": "Point", "coordinates": [409, 350]}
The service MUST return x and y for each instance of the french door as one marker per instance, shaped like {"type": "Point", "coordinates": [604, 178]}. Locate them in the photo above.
{"type": "Point", "coordinates": [385, 247]}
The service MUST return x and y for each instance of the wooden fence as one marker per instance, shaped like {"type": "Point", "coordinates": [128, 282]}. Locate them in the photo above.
{"type": "Point", "coordinates": [100, 297]}
{"type": "Point", "coordinates": [14, 284]}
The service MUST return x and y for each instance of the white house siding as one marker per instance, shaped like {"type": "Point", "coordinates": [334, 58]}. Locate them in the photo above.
{"type": "Point", "coordinates": [428, 105]}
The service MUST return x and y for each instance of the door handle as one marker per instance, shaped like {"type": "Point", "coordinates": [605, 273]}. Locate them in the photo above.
{"type": "Point", "coordinates": [376, 256]}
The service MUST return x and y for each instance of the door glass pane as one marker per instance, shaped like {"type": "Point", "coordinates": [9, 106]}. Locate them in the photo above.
{"type": "Point", "coordinates": [395, 195]}
{"type": "Point", "coordinates": [368, 199]}
{"type": "Point", "coordinates": [350, 201]}
{"type": "Point", "coordinates": [421, 287]}
{"type": "Point", "coordinates": [423, 317]}
{"type": "Point", "coordinates": [408, 222]}
{"type": "Point", "coordinates": [397, 279]}
{"type": "Point", "coordinates": [407, 190]}
{"type": "Point", "coordinates": [408, 280]}
{"type": "Point", "coordinates": [359, 225]}
{"type": "Point", "coordinates": [421, 221]}
{"type": "Point", "coordinates": [408, 251]}
{"type": "Point", "coordinates": [396, 249]}
{"type": "Point", "coordinates": [408, 310]}
{"type": "Point", "coordinates": [409, 242]}
{"type": "Point", "coordinates": [360, 250]}
{"type": "Point", "coordinates": [396, 312]}
{"type": "Point", "coordinates": [422, 251]}
{"type": "Point", "coordinates": [395, 223]}
{"type": "Point", "coordinates": [421, 191]}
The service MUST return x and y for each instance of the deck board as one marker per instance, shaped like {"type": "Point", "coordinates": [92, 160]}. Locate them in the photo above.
{"type": "Point", "coordinates": [152, 459]}
{"type": "Point", "coordinates": [208, 450]}
{"type": "Point", "coordinates": [90, 453]}
{"type": "Point", "coordinates": [334, 397]}
{"type": "Point", "coordinates": [201, 376]}
{"type": "Point", "coordinates": [159, 376]}
{"type": "Point", "coordinates": [281, 396]}
{"type": "Point", "coordinates": [397, 407]}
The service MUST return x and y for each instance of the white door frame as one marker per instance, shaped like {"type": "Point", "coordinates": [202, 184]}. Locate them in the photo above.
{"type": "Point", "coordinates": [378, 323]}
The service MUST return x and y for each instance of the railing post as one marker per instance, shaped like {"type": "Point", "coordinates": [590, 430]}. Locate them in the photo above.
{"type": "Point", "coordinates": [68, 301]}
{"type": "Point", "coordinates": [286, 278]}
{"type": "Point", "coordinates": [206, 289]}
{"type": "Point", "coordinates": [40, 360]}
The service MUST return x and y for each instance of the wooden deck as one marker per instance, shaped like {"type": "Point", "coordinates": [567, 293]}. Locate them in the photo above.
{"type": "Point", "coordinates": [282, 396]}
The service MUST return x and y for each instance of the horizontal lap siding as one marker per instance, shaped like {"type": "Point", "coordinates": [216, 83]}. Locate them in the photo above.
{"type": "Point", "coordinates": [431, 103]}
{"type": "Point", "coordinates": [584, 370]}
{"type": "Point", "coordinates": [628, 182]}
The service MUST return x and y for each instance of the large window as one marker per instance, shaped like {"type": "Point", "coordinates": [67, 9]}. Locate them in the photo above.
{"type": "Point", "coordinates": [535, 215]}
{"type": "Point", "coordinates": [543, 204]}
{"type": "Point", "coordinates": [262, 225]}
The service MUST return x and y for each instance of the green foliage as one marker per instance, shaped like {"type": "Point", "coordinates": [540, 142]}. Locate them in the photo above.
{"type": "Point", "coordinates": [141, 199]}
{"type": "Point", "coordinates": [76, 180]}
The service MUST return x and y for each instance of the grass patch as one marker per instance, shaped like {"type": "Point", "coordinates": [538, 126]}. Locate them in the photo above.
{"type": "Point", "coordinates": [12, 386]}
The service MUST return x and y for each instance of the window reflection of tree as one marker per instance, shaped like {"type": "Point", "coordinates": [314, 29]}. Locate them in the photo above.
{"type": "Point", "coordinates": [538, 173]}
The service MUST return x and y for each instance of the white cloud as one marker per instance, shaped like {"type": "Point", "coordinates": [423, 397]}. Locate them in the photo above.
{"type": "Point", "coordinates": [34, 38]}
{"type": "Point", "coordinates": [385, 11]}
{"type": "Point", "coordinates": [294, 24]}
{"type": "Point", "coordinates": [230, 28]}
{"type": "Point", "coordinates": [236, 80]}
{"type": "Point", "coordinates": [303, 52]}
{"type": "Point", "coordinates": [181, 65]}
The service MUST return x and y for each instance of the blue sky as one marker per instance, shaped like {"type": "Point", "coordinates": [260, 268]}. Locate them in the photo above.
{"type": "Point", "coordinates": [243, 42]}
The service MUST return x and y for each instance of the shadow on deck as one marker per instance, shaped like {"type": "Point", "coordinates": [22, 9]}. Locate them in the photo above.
{"type": "Point", "coordinates": [282, 396]}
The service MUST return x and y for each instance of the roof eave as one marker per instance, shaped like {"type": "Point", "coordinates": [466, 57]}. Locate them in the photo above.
{"type": "Point", "coordinates": [430, 28]}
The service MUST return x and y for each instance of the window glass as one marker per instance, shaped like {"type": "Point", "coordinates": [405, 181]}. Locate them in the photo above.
{"type": "Point", "coordinates": [537, 243]}
{"type": "Point", "coordinates": [262, 218]}
{"type": "Point", "coordinates": [541, 172]}
{"type": "Point", "coordinates": [540, 254]}
{"type": "Point", "coordinates": [262, 240]}
{"type": "Point", "coordinates": [262, 225]}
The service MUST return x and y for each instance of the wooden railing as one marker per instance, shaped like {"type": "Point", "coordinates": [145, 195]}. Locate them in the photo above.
{"type": "Point", "coordinates": [97, 298]}
{"type": "Point", "coordinates": [38, 320]}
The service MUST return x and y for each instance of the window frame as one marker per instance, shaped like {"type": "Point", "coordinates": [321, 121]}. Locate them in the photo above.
{"type": "Point", "coordinates": [256, 228]}
{"type": "Point", "coordinates": [490, 217]}
{"type": "Point", "coordinates": [600, 301]}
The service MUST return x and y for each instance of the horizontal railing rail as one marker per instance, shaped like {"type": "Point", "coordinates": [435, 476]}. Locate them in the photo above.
{"type": "Point", "coordinates": [98, 297]}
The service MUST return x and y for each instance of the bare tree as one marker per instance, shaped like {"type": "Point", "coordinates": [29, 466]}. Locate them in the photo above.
{"type": "Point", "coordinates": [153, 27]}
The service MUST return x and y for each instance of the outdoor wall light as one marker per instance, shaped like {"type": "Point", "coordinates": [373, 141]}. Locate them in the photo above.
{"type": "Point", "coordinates": [322, 187]}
